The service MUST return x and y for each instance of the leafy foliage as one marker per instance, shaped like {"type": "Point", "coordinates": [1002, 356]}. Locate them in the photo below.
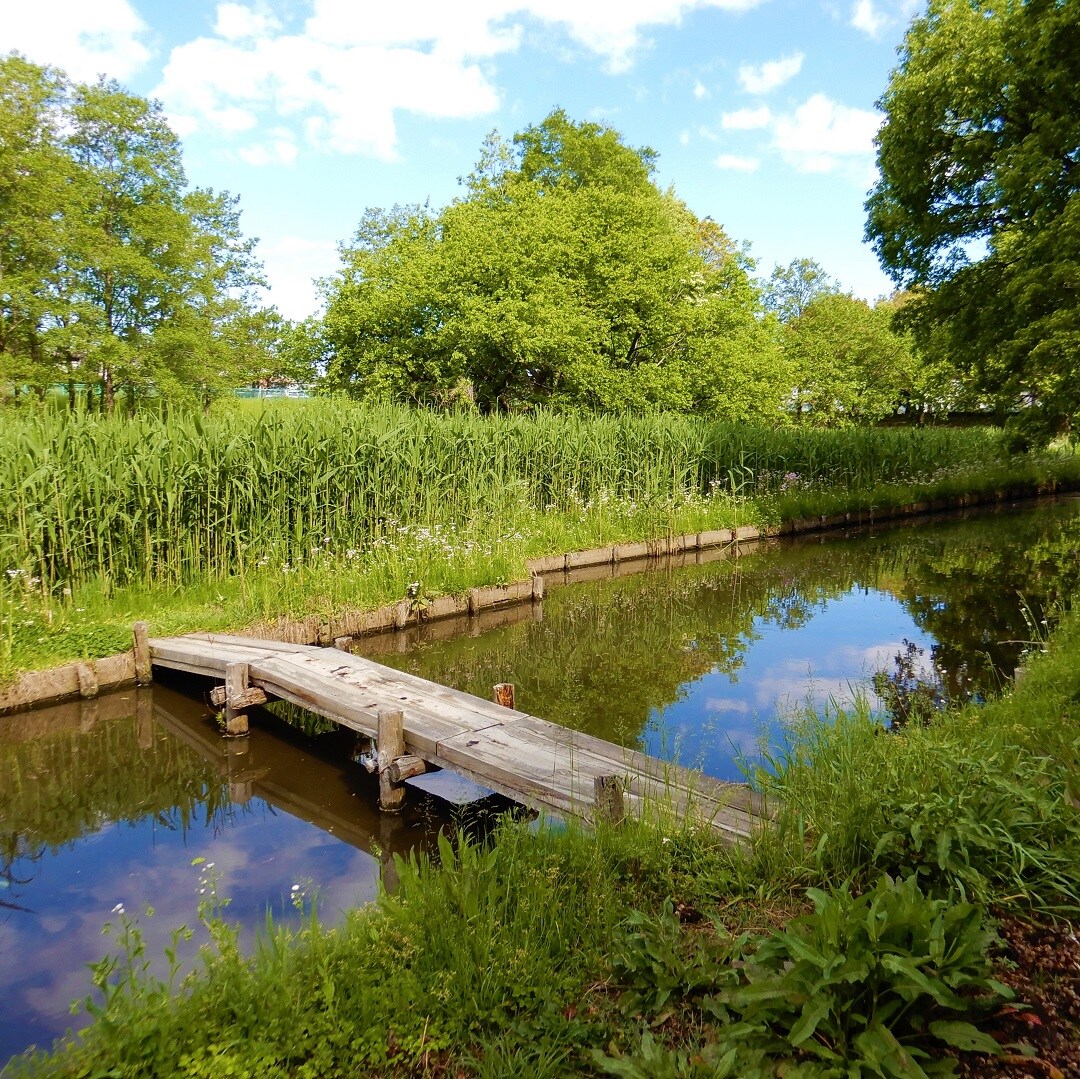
{"type": "Point", "coordinates": [979, 197]}
{"type": "Point", "coordinates": [868, 982]}
{"type": "Point", "coordinates": [117, 277]}
{"type": "Point", "coordinates": [563, 277]}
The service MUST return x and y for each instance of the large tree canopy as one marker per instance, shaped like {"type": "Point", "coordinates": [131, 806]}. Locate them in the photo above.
{"type": "Point", "coordinates": [113, 273]}
{"type": "Point", "coordinates": [563, 277]}
{"type": "Point", "coordinates": [978, 205]}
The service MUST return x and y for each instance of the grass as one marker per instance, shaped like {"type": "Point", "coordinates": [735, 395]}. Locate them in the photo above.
{"type": "Point", "coordinates": [202, 523]}
{"type": "Point", "coordinates": [626, 951]}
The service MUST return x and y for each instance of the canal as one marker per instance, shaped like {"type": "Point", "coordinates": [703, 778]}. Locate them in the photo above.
{"type": "Point", "coordinates": [134, 800]}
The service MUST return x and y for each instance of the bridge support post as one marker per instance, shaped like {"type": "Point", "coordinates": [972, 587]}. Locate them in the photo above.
{"type": "Point", "coordinates": [610, 806]}
{"type": "Point", "coordinates": [503, 693]}
{"type": "Point", "coordinates": [236, 684]}
{"type": "Point", "coordinates": [140, 637]}
{"type": "Point", "coordinates": [391, 746]}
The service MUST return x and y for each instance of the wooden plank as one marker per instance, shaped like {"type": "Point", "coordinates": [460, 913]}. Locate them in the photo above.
{"type": "Point", "coordinates": [526, 758]}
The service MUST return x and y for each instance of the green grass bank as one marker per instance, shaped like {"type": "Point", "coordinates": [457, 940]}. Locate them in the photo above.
{"type": "Point", "coordinates": [253, 514]}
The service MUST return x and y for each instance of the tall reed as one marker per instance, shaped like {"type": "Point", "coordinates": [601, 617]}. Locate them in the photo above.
{"type": "Point", "coordinates": [163, 500]}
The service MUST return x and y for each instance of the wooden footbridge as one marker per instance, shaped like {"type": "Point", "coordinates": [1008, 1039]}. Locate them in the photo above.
{"type": "Point", "coordinates": [416, 725]}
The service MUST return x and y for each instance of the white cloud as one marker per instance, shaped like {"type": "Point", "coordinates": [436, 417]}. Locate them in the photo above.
{"type": "Point", "coordinates": [746, 119]}
{"type": "Point", "coordinates": [235, 21]}
{"type": "Point", "coordinates": [823, 135]}
{"type": "Point", "coordinates": [868, 19]}
{"type": "Point", "coordinates": [727, 704]}
{"type": "Point", "coordinates": [279, 151]}
{"type": "Point", "coordinates": [761, 78]}
{"type": "Point", "coordinates": [700, 90]}
{"type": "Point", "coordinates": [85, 40]}
{"type": "Point", "coordinates": [340, 79]}
{"type": "Point", "coordinates": [735, 163]}
{"type": "Point", "coordinates": [293, 264]}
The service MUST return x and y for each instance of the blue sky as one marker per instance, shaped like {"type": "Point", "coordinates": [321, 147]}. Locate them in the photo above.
{"type": "Point", "coordinates": [762, 111]}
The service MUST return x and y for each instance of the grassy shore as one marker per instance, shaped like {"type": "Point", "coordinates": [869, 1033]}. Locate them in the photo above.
{"type": "Point", "coordinates": [853, 937]}
{"type": "Point", "coordinates": [217, 523]}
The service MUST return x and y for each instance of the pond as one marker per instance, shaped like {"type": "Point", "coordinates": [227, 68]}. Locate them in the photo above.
{"type": "Point", "coordinates": [109, 802]}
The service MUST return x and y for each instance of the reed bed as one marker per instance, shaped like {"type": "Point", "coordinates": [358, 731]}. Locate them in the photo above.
{"type": "Point", "coordinates": [161, 501]}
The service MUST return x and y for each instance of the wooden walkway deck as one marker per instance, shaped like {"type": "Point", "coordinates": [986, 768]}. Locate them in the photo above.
{"type": "Point", "coordinates": [525, 758]}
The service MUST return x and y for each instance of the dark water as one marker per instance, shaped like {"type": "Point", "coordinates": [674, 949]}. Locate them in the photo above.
{"type": "Point", "coordinates": [109, 802]}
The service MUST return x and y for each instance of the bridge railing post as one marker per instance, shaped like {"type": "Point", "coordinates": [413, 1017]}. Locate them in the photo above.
{"type": "Point", "coordinates": [236, 684]}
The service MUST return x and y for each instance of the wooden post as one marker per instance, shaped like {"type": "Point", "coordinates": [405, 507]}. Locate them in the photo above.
{"type": "Point", "coordinates": [537, 587]}
{"type": "Point", "coordinates": [610, 806]}
{"type": "Point", "coordinates": [401, 613]}
{"type": "Point", "coordinates": [88, 683]}
{"type": "Point", "coordinates": [343, 644]}
{"type": "Point", "coordinates": [141, 648]}
{"type": "Point", "coordinates": [236, 684]}
{"type": "Point", "coordinates": [391, 746]}
{"type": "Point", "coordinates": [504, 694]}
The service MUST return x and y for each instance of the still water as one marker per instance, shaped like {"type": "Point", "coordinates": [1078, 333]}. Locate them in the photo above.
{"type": "Point", "coordinates": [109, 802]}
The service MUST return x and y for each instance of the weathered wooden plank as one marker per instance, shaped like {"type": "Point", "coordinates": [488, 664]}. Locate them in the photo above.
{"type": "Point", "coordinates": [526, 758]}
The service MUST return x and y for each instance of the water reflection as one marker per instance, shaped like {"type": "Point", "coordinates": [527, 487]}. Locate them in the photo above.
{"type": "Point", "coordinates": [109, 801]}
{"type": "Point", "coordinates": [696, 661]}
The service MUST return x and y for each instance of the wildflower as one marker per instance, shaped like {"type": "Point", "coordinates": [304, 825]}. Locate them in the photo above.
{"type": "Point", "coordinates": [118, 909]}
{"type": "Point", "coordinates": [296, 887]}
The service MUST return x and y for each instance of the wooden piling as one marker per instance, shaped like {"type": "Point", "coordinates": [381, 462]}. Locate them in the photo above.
{"type": "Point", "coordinates": [236, 685]}
{"type": "Point", "coordinates": [503, 693]}
{"type": "Point", "coordinates": [610, 806]}
{"type": "Point", "coordinates": [88, 682]}
{"type": "Point", "coordinates": [140, 635]}
{"type": "Point", "coordinates": [391, 746]}
{"type": "Point", "coordinates": [537, 587]}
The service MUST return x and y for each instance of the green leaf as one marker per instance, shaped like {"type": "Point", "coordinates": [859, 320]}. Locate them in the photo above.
{"type": "Point", "coordinates": [813, 1012]}
{"type": "Point", "coordinates": [964, 1036]}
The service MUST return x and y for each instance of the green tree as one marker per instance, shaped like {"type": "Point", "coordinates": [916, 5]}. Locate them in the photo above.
{"type": "Point", "coordinates": [791, 289]}
{"type": "Point", "coordinates": [113, 274]}
{"type": "Point", "coordinates": [35, 174]}
{"type": "Point", "coordinates": [978, 198]}
{"type": "Point", "coordinates": [562, 277]}
{"type": "Point", "coordinates": [849, 364]}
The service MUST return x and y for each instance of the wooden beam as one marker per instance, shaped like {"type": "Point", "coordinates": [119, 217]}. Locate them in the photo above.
{"type": "Point", "coordinates": [391, 746]}
{"type": "Point", "coordinates": [503, 694]}
{"type": "Point", "coordinates": [236, 684]}
{"type": "Point", "coordinates": [140, 636]}
{"type": "Point", "coordinates": [248, 699]}
{"type": "Point", "coordinates": [406, 767]}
